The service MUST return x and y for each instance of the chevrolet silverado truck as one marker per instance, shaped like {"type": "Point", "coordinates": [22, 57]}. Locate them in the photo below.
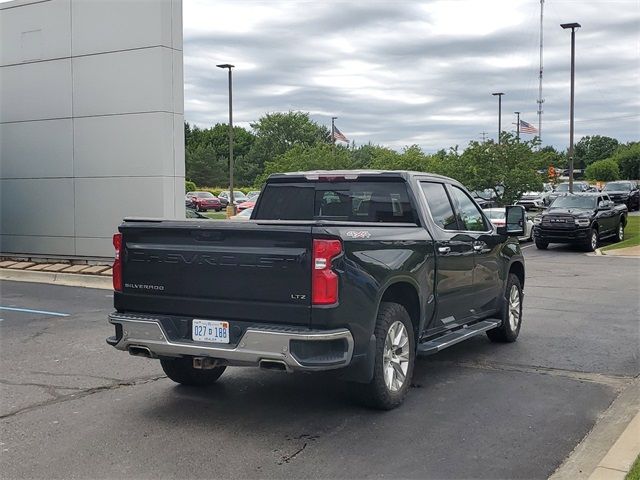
{"type": "Point", "coordinates": [352, 271]}
{"type": "Point", "coordinates": [583, 219]}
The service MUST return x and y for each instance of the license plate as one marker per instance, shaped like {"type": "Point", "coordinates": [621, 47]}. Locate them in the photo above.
{"type": "Point", "coordinates": [210, 331]}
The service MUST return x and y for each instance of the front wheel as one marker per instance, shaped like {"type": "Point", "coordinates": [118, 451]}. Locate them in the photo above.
{"type": "Point", "coordinates": [592, 241]}
{"type": "Point", "coordinates": [510, 313]}
{"type": "Point", "coordinates": [394, 359]}
{"type": "Point", "coordinates": [541, 244]}
{"type": "Point", "coordinates": [181, 370]}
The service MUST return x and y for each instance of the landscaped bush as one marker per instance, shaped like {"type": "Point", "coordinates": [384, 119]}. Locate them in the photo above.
{"type": "Point", "coordinates": [189, 186]}
{"type": "Point", "coordinates": [603, 170]}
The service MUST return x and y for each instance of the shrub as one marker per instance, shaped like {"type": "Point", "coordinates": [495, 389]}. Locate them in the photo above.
{"type": "Point", "coordinates": [189, 186]}
{"type": "Point", "coordinates": [603, 170]}
{"type": "Point", "coordinates": [628, 158]}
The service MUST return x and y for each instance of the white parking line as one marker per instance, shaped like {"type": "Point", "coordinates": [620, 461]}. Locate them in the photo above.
{"type": "Point", "coordinates": [28, 310]}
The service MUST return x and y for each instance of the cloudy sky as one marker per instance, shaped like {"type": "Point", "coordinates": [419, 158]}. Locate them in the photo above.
{"type": "Point", "coordinates": [408, 72]}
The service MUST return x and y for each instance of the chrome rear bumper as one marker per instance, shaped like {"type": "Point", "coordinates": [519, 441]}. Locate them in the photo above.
{"type": "Point", "coordinates": [257, 345]}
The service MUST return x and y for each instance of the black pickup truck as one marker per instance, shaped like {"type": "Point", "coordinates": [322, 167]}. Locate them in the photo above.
{"type": "Point", "coordinates": [353, 271]}
{"type": "Point", "coordinates": [583, 219]}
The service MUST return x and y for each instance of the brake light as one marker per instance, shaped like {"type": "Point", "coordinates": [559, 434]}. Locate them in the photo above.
{"type": "Point", "coordinates": [324, 281]}
{"type": "Point", "coordinates": [117, 263]}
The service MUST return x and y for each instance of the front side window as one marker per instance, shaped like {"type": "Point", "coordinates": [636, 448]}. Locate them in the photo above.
{"type": "Point", "coordinates": [439, 205]}
{"type": "Point", "coordinates": [469, 215]}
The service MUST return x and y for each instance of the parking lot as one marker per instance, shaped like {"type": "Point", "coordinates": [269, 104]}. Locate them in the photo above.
{"type": "Point", "coordinates": [73, 407]}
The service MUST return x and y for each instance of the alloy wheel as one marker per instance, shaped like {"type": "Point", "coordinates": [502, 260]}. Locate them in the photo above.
{"type": "Point", "coordinates": [514, 307]}
{"type": "Point", "coordinates": [396, 356]}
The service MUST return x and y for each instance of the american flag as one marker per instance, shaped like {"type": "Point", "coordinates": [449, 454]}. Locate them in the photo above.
{"type": "Point", "coordinates": [527, 128]}
{"type": "Point", "coordinates": [337, 135]}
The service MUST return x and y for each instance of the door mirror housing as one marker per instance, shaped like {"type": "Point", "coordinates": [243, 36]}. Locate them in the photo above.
{"type": "Point", "coordinates": [604, 205]}
{"type": "Point", "coordinates": [515, 221]}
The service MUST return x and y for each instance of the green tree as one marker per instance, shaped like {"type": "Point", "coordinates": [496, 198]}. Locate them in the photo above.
{"type": "Point", "coordinates": [591, 149]}
{"type": "Point", "coordinates": [510, 166]}
{"type": "Point", "coordinates": [276, 133]}
{"type": "Point", "coordinates": [603, 170]}
{"type": "Point", "coordinates": [628, 159]}
{"type": "Point", "coordinates": [299, 158]}
{"type": "Point", "coordinates": [207, 153]}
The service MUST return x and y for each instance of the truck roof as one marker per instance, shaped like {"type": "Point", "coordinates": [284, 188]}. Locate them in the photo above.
{"type": "Point", "coordinates": [353, 174]}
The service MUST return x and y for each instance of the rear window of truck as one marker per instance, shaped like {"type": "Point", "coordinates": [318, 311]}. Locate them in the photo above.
{"type": "Point", "coordinates": [343, 201]}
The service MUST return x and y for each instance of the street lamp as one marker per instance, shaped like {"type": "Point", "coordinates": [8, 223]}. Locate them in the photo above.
{"type": "Point", "coordinates": [573, 27]}
{"type": "Point", "coordinates": [231, 207]}
{"type": "Point", "coordinates": [518, 125]}
{"type": "Point", "coordinates": [499, 95]}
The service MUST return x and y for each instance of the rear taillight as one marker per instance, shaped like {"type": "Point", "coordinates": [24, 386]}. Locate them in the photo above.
{"type": "Point", "coordinates": [117, 263]}
{"type": "Point", "coordinates": [324, 281]}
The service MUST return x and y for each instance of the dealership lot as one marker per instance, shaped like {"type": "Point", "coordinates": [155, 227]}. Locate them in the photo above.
{"type": "Point", "coordinates": [74, 407]}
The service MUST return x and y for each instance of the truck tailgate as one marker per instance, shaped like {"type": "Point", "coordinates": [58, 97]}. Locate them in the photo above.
{"type": "Point", "coordinates": [219, 270]}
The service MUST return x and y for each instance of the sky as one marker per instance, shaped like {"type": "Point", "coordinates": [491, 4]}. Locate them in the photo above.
{"type": "Point", "coordinates": [398, 73]}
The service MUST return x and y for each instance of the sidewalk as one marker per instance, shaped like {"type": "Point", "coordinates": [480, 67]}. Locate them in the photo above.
{"type": "Point", "coordinates": [610, 449]}
{"type": "Point", "coordinates": [624, 252]}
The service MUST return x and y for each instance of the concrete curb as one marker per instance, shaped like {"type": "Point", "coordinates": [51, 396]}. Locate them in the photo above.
{"type": "Point", "coordinates": [612, 441]}
{"type": "Point", "coordinates": [66, 279]}
{"type": "Point", "coordinates": [619, 460]}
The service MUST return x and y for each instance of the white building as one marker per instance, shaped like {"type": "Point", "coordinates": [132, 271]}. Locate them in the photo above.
{"type": "Point", "coordinates": [91, 121]}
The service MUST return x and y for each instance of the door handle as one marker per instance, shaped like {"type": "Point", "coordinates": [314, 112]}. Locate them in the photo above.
{"type": "Point", "coordinates": [444, 250]}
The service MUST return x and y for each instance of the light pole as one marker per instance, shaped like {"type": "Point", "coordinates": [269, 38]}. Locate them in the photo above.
{"type": "Point", "coordinates": [518, 125]}
{"type": "Point", "coordinates": [231, 207]}
{"type": "Point", "coordinates": [499, 95]}
{"type": "Point", "coordinates": [573, 27]}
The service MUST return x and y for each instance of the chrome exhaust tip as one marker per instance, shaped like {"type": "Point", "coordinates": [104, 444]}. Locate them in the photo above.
{"type": "Point", "coordinates": [138, 351]}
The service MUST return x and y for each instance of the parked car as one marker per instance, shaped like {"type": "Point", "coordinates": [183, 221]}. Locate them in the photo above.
{"type": "Point", "coordinates": [253, 193]}
{"type": "Point", "coordinates": [498, 217]}
{"type": "Point", "coordinates": [535, 200]}
{"type": "Point", "coordinates": [192, 213]}
{"type": "Point", "coordinates": [203, 201]}
{"type": "Point", "coordinates": [626, 192]}
{"type": "Point", "coordinates": [189, 202]}
{"type": "Point", "coordinates": [238, 197]}
{"type": "Point", "coordinates": [487, 198]}
{"type": "Point", "coordinates": [354, 271]}
{"type": "Point", "coordinates": [563, 188]}
{"type": "Point", "coordinates": [246, 205]}
{"type": "Point", "coordinates": [243, 216]}
{"type": "Point", "coordinates": [581, 218]}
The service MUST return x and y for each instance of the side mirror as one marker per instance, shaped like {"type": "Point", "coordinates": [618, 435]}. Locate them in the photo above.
{"type": "Point", "coordinates": [516, 220]}
{"type": "Point", "coordinates": [604, 205]}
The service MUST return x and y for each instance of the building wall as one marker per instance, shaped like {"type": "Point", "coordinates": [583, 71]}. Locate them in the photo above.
{"type": "Point", "coordinates": [91, 121]}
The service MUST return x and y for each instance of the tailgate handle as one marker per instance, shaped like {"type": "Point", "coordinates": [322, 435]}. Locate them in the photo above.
{"type": "Point", "coordinates": [204, 235]}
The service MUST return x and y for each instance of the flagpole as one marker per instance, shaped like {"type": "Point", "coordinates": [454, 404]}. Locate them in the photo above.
{"type": "Point", "coordinates": [518, 126]}
{"type": "Point", "coordinates": [333, 131]}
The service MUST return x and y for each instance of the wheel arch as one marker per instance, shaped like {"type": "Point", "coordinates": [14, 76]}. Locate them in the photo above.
{"type": "Point", "coordinates": [517, 268]}
{"type": "Point", "coordinates": [406, 294]}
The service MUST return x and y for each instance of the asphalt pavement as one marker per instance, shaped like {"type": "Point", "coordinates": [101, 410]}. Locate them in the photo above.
{"type": "Point", "coordinates": [73, 407]}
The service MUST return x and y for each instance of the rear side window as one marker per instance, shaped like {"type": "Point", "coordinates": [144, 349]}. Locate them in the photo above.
{"type": "Point", "coordinates": [439, 205]}
{"type": "Point", "coordinates": [340, 201]}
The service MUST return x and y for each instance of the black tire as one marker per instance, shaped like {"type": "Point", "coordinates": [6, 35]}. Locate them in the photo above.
{"type": "Point", "coordinates": [593, 241]}
{"type": "Point", "coordinates": [542, 245]}
{"type": "Point", "coordinates": [620, 231]}
{"type": "Point", "coordinates": [181, 370]}
{"type": "Point", "coordinates": [506, 332]}
{"type": "Point", "coordinates": [376, 393]}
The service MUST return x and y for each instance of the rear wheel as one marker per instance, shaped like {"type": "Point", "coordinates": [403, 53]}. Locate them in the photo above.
{"type": "Point", "coordinates": [394, 359]}
{"type": "Point", "coordinates": [620, 232]}
{"type": "Point", "coordinates": [510, 313]}
{"type": "Point", "coordinates": [181, 370]}
{"type": "Point", "coordinates": [541, 244]}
